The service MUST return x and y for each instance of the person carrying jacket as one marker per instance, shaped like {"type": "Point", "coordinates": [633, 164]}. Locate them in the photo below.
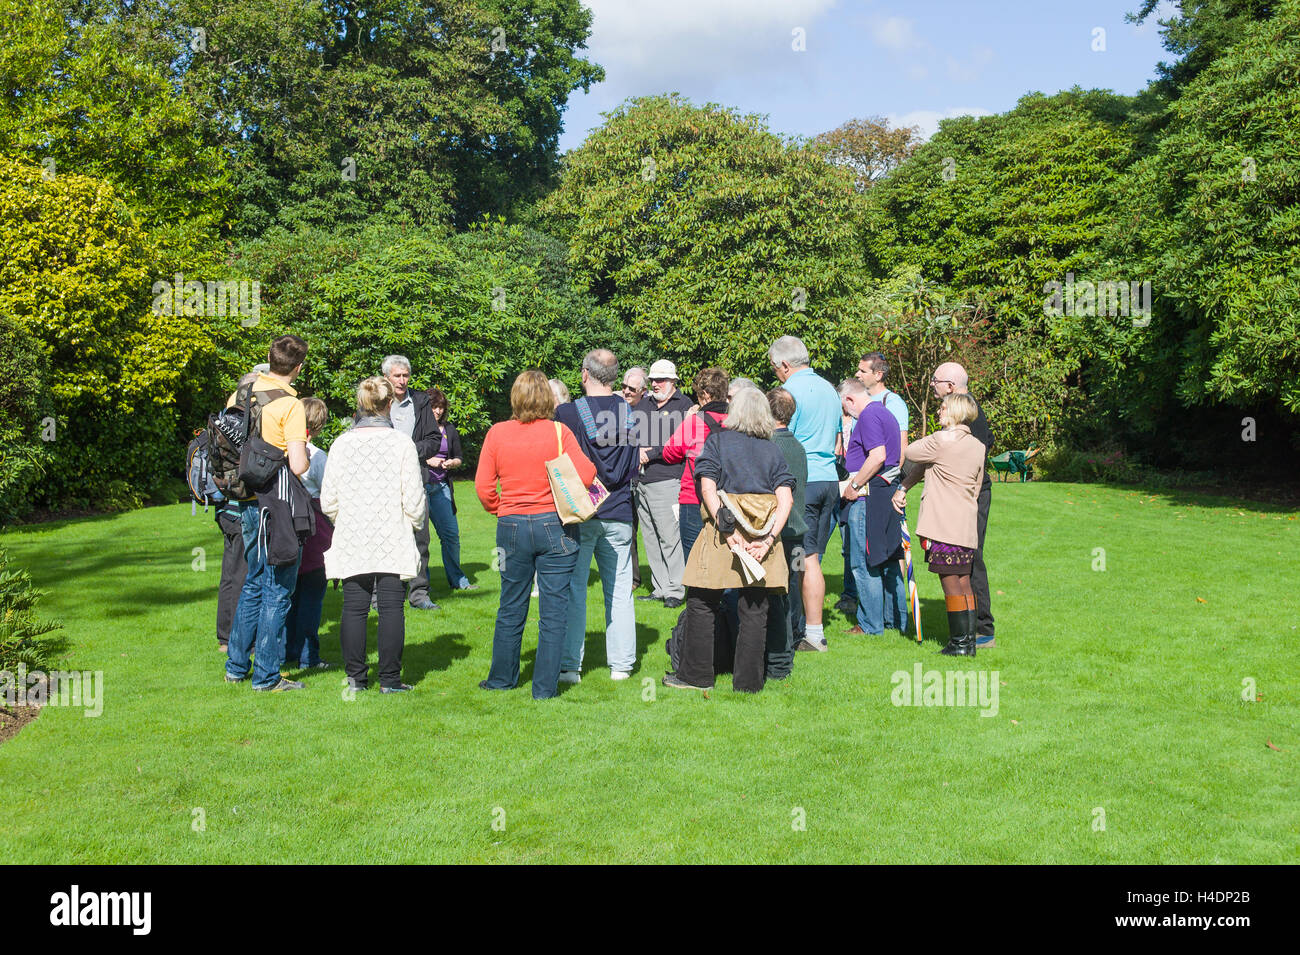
{"type": "Point", "coordinates": [711, 386]}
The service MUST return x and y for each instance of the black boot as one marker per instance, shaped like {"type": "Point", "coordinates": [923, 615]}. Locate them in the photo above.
{"type": "Point", "coordinates": [961, 634]}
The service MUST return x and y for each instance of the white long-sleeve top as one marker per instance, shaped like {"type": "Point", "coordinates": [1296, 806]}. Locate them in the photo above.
{"type": "Point", "coordinates": [373, 492]}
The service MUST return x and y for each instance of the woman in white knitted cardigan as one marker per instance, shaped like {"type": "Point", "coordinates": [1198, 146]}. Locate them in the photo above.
{"type": "Point", "coordinates": [373, 492]}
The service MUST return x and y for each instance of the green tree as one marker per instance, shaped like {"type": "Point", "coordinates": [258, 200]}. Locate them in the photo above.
{"type": "Point", "coordinates": [76, 272]}
{"type": "Point", "coordinates": [710, 236]}
{"type": "Point", "coordinates": [23, 401]}
{"type": "Point", "coordinates": [470, 310]}
{"type": "Point", "coordinates": [336, 112]}
{"type": "Point", "coordinates": [1211, 217]}
{"type": "Point", "coordinates": [73, 100]}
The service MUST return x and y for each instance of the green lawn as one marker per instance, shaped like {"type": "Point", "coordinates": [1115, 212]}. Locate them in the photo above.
{"type": "Point", "coordinates": [1119, 691]}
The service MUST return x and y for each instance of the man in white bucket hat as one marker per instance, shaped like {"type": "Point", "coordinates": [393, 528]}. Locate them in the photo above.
{"type": "Point", "coordinates": [658, 416]}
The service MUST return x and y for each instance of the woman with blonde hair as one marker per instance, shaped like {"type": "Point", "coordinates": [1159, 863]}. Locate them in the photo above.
{"type": "Point", "coordinates": [373, 492]}
{"type": "Point", "coordinates": [951, 462]}
{"type": "Point", "coordinates": [511, 483]}
{"type": "Point", "coordinates": [747, 492]}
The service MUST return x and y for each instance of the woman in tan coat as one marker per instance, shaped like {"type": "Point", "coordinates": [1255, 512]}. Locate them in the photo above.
{"type": "Point", "coordinates": [951, 462]}
{"type": "Point", "coordinates": [746, 492]}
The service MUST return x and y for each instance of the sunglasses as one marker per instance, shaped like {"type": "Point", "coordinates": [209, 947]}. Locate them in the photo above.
{"type": "Point", "coordinates": [627, 387]}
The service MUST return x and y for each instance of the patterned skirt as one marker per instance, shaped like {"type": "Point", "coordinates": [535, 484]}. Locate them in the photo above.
{"type": "Point", "coordinates": [944, 558]}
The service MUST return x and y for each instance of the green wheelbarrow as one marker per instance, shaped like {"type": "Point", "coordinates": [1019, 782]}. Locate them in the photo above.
{"type": "Point", "coordinates": [1014, 462]}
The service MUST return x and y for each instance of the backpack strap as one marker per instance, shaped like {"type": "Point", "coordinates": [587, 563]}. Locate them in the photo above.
{"type": "Point", "coordinates": [588, 423]}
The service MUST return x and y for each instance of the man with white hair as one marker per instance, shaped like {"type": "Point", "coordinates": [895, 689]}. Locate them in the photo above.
{"type": "Point", "coordinates": [951, 378]}
{"type": "Point", "coordinates": [412, 415]}
{"type": "Point", "coordinates": [816, 424]}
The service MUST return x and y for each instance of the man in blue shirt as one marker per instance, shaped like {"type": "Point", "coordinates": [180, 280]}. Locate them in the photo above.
{"type": "Point", "coordinates": [815, 424]}
{"type": "Point", "coordinates": [872, 457]}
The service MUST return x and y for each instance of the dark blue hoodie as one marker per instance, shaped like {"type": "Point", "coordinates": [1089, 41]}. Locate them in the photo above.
{"type": "Point", "coordinates": [610, 445]}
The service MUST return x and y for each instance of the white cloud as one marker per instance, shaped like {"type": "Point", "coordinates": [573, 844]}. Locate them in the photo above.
{"type": "Point", "coordinates": [895, 33]}
{"type": "Point", "coordinates": [675, 44]}
{"type": "Point", "coordinates": [928, 119]}
{"type": "Point", "coordinates": [970, 69]}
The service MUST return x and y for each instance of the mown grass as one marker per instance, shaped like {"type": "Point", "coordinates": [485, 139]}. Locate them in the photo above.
{"type": "Point", "coordinates": [1119, 691]}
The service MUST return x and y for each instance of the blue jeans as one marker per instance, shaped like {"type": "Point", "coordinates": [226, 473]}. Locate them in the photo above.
{"type": "Point", "coordinates": [446, 527]}
{"type": "Point", "coordinates": [264, 603]}
{"type": "Point", "coordinates": [532, 543]}
{"type": "Point", "coordinates": [610, 542]}
{"type": "Point", "coordinates": [688, 519]}
{"type": "Point", "coordinates": [302, 628]}
{"type": "Point", "coordinates": [882, 591]}
{"type": "Point", "coordinates": [850, 588]}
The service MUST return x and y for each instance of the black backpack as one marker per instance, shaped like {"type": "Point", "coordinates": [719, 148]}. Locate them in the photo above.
{"type": "Point", "coordinates": [238, 462]}
{"type": "Point", "coordinates": [198, 470]}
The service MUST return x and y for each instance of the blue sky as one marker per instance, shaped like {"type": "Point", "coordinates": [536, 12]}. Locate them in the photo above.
{"type": "Point", "coordinates": [913, 63]}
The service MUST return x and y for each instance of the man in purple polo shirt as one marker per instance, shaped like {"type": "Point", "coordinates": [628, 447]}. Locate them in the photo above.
{"type": "Point", "coordinates": [875, 535]}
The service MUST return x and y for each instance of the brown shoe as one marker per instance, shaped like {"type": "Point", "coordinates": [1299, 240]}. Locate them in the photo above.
{"type": "Point", "coordinates": [855, 630]}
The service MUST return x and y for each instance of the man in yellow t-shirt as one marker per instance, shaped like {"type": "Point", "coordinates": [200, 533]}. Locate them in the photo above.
{"type": "Point", "coordinates": [264, 602]}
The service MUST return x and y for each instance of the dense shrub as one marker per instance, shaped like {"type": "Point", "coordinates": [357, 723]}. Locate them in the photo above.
{"type": "Point", "coordinates": [23, 401]}
{"type": "Point", "coordinates": [470, 311]}
{"type": "Point", "coordinates": [76, 271]}
{"type": "Point", "coordinates": [20, 628]}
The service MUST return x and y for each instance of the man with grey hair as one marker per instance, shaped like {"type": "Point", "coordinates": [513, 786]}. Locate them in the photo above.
{"type": "Point", "coordinates": [605, 432]}
{"type": "Point", "coordinates": [951, 378]}
{"type": "Point", "coordinates": [412, 414]}
{"type": "Point", "coordinates": [816, 425]}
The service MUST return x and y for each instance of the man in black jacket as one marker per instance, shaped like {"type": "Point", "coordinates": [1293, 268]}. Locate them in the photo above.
{"type": "Point", "coordinates": [412, 415]}
{"type": "Point", "coordinates": [656, 418]}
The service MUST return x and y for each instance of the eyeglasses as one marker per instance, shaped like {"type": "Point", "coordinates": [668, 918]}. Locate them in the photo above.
{"type": "Point", "coordinates": [940, 381]}
{"type": "Point", "coordinates": [660, 380]}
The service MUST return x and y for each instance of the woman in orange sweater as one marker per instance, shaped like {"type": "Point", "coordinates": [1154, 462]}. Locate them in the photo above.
{"type": "Point", "coordinates": [511, 482]}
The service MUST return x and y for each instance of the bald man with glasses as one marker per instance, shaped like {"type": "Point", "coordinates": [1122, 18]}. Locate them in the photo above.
{"type": "Point", "coordinates": [951, 378]}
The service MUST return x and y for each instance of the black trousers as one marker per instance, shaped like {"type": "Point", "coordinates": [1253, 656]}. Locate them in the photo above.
{"type": "Point", "coordinates": [783, 612]}
{"type": "Point", "coordinates": [234, 568]}
{"type": "Point", "coordinates": [707, 648]}
{"type": "Point", "coordinates": [391, 594]}
{"type": "Point", "coordinates": [979, 575]}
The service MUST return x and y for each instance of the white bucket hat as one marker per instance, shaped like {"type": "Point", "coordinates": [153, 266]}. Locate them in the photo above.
{"type": "Point", "coordinates": [663, 368]}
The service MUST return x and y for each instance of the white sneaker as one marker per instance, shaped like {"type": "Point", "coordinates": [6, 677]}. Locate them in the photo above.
{"type": "Point", "coordinates": [806, 644]}
{"type": "Point", "coordinates": [570, 676]}
{"type": "Point", "coordinates": [619, 674]}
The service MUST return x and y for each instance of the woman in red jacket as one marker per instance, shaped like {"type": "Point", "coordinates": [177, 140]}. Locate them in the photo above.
{"type": "Point", "coordinates": [711, 386]}
{"type": "Point", "coordinates": [512, 484]}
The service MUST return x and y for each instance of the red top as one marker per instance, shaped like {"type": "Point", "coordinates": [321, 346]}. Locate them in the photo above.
{"type": "Point", "coordinates": [685, 445]}
{"type": "Point", "coordinates": [515, 455]}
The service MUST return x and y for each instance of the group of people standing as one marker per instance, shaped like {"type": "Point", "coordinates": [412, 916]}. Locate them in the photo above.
{"type": "Point", "coordinates": [735, 494]}
{"type": "Point", "coordinates": [371, 499]}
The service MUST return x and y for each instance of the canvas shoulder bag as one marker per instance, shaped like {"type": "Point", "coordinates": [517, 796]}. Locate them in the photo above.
{"type": "Point", "coordinates": [575, 502]}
